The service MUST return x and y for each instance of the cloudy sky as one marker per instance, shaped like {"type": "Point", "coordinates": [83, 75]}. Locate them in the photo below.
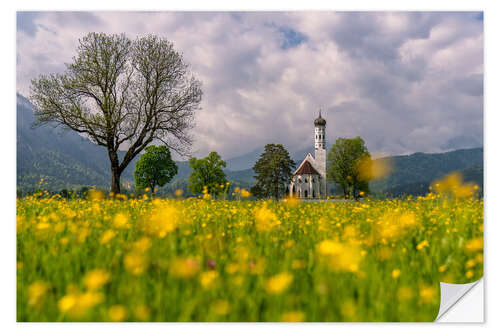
{"type": "Point", "coordinates": [403, 81]}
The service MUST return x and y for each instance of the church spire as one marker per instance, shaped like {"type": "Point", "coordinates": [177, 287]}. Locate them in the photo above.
{"type": "Point", "coordinates": [319, 121]}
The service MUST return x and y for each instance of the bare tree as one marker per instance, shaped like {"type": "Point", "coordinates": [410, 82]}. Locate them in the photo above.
{"type": "Point", "coordinates": [122, 94]}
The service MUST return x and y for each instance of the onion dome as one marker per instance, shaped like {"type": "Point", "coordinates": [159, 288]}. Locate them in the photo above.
{"type": "Point", "coordinates": [319, 121]}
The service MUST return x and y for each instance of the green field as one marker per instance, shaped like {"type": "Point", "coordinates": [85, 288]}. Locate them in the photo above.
{"type": "Point", "coordinates": [215, 260]}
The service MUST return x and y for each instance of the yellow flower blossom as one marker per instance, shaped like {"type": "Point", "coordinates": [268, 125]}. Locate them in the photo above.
{"type": "Point", "coordinates": [265, 219]}
{"type": "Point", "coordinates": [428, 294]}
{"type": "Point", "coordinates": [142, 245]}
{"type": "Point", "coordinates": [117, 313]}
{"type": "Point", "coordinates": [135, 263]}
{"type": "Point", "coordinates": [107, 236]}
{"type": "Point", "coordinates": [120, 220]}
{"type": "Point", "coordinates": [36, 291]}
{"type": "Point", "coordinates": [207, 279]}
{"type": "Point", "coordinates": [221, 307]}
{"type": "Point", "coordinates": [162, 221]}
{"type": "Point", "coordinates": [184, 268]}
{"type": "Point", "coordinates": [293, 316]}
{"type": "Point", "coordinates": [279, 283]}
{"type": "Point", "coordinates": [474, 245]}
{"type": "Point", "coordinates": [422, 244]}
{"type": "Point", "coordinates": [96, 278]}
{"type": "Point", "coordinates": [142, 312]}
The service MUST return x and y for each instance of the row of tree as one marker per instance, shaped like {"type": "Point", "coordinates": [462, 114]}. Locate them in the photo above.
{"type": "Point", "coordinates": [349, 165]}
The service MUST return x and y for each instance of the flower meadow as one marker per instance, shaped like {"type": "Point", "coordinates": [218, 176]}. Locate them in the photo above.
{"type": "Point", "coordinates": [143, 259]}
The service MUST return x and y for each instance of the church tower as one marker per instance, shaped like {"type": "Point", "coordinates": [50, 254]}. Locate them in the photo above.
{"type": "Point", "coordinates": [320, 152]}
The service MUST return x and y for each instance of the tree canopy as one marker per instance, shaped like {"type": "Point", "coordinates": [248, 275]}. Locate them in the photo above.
{"type": "Point", "coordinates": [121, 93]}
{"type": "Point", "coordinates": [349, 164]}
{"type": "Point", "coordinates": [207, 173]}
{"type": "Point", "coordinates": [154, 168]}
{"type": "Point", "coordinates": [273, 172]}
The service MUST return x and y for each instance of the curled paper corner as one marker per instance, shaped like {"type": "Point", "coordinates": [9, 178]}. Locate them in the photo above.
{"type": "Point", "coordinates": [451, 293]}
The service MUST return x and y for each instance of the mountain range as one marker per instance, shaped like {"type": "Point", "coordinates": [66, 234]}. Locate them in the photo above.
{"type": "Point", "coordinates": [66, 160]}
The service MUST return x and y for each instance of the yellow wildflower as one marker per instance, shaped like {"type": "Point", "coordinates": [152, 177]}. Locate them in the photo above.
{"type": "Point", "coordinates": [142, 312]}
{"type": "Point", "coordinates": [422, 244]}
{"type": "Point", "coordinates": [207, 279]}
{"type": "Point", "coordinates": [221, 307]}
{"type": "Point", "coordinates": [279, 283]}
{"type": "Point", "coordinates": [293, 316]}
{"type": "Point", "coordinates": [142, 245]}
{"type": "Point", "coordinates": [117, 313]}
{"type": "Point", "coordinates": [107, 236]}
{"type": "Point", "coordinates": [96, 278]}
{"type": "Point", "coordinates": [36, 291]}
{"type": "Point", "coordinates": [184, 268]}
{"type": "Point", "coordinates": [475, 244]}
{"type": "Point", "coordinates": [120, 220]}
{"type": "Point", "coordinates": [427, 294]}
{"type": "Point", "coordinates": [135, 263]}
{"type": "Point", "coordinates": [265, 219]}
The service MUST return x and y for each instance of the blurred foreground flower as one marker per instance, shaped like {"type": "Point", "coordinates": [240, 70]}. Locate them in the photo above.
{"type": "Point", "coordinates": [96, 279]}
{"type": "Point", "coordinates": [293, 316]}
{"type": "Point", "coordinates": [94, 194]}
{"type": "Point", "coordinates": [135, 263]}
{"type": "Point", "coordinates": [184, 268]}
{"type": "Point", "coordinates": [369, 169]}
{"type": "Point", "coordinates": [117, 313]}
{"type": "Point", "coordinates": [265, 219]}
{"type": "Point", "coordinates": [162, 221]}
{"type": "Point", "coordinates": [279, 283]}
{"type": "Point", "coordinates": [453, 185]}
{"type": "Point", "coordinates": [36, 291]}
{"type": "Point", "coordinates": [76, 304]}
{"type": "Point", "coordinates": [221, 307]}
{"type": "Point", "coordinates": [339, 256]}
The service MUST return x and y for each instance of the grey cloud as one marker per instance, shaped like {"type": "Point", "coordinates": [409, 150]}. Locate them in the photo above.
{"type": "Point", "coordinates": [405, 82]}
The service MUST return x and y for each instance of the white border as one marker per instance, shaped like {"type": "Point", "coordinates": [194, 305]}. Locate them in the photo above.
{"type": "Point", "coordinates": [8, 135]}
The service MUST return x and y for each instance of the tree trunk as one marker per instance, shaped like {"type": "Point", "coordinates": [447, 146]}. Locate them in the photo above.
{"type": "Point", "coordinates": [115, 181]}
{"type": "Point", "coordinates": [115, 171]}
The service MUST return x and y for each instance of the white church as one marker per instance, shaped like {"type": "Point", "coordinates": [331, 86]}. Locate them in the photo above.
{"type": "Point", "coordinates": [309, 180]}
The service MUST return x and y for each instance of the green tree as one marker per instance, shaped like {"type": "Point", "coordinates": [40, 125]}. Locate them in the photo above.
{"type": "Point", "coordinates": [154, 168]}
{"type": "Point", "coordinates": [207, 172]}
{"type": "Point", "coordinates": [121, 93]}
{"type": "Point", "coordinates": [346, 160]}
{"type": "Point", "coordinates": [273, 172]}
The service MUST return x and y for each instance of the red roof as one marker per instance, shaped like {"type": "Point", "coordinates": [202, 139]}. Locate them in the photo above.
{"type": "Point", "coordinates": [306, 169]}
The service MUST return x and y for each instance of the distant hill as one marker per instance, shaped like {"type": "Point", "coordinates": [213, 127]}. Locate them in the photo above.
{"type": "Point", "coordinates": [472, 174]}
{"type": "Point", "coordinates": [419, 170]}
{"type": "Point", "coordinates": [245, 161]}
{"type": "Point", "coordinates": [67, 160]}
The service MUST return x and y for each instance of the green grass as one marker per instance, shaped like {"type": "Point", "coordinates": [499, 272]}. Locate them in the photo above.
{"type": "Point", "coordinates": [347, 261]}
